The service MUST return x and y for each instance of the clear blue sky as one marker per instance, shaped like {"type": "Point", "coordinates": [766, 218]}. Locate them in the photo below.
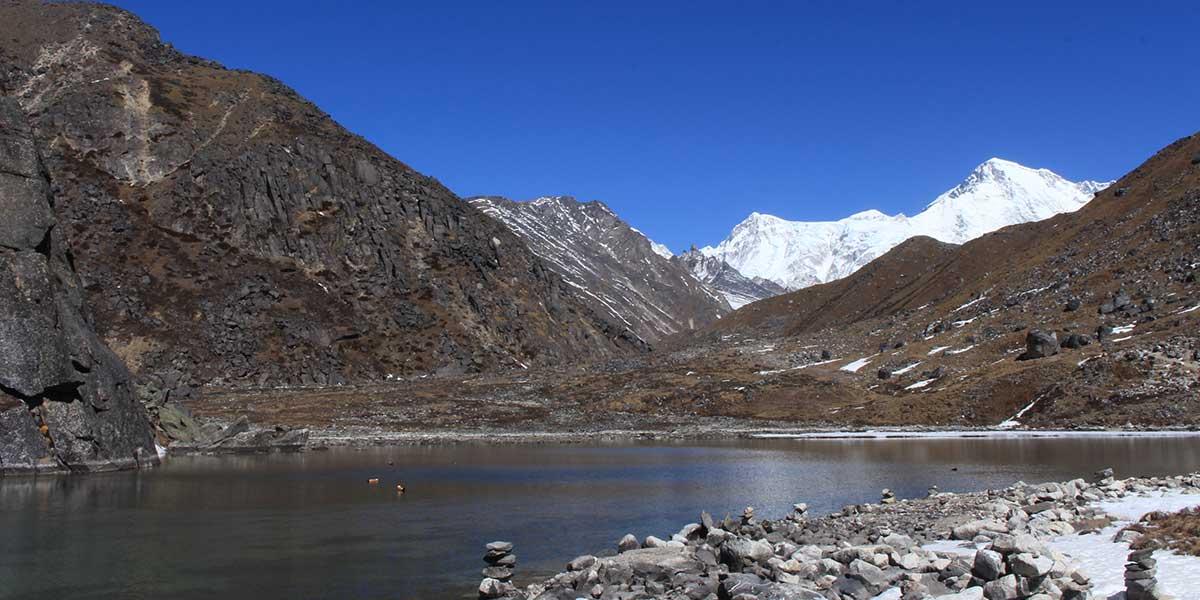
{"type": "Point", "coordinates": [686, 116]}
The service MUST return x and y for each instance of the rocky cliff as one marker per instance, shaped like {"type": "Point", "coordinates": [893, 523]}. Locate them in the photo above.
{"type": "Point", "coordinates": [66, 401]}
{"type": "Point", "coordinates": [720, 276]}
{"type": "Point", "coordinates": [612, 265]}
{"type": "Point", "coordinates": [228, 231]}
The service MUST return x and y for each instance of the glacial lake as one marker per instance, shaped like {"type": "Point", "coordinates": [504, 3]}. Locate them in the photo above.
{"type": "Point", "coordinates": [310, 526]}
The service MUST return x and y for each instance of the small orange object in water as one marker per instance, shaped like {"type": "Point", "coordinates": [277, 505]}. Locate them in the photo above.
{"type": "Point", "coordinates": [400, 487]}
{"type": "Point", "coordinates": [373, 481]}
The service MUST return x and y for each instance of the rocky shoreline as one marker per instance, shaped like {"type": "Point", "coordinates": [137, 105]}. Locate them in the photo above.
{"type": "Point", "coordinates": [993, 545]}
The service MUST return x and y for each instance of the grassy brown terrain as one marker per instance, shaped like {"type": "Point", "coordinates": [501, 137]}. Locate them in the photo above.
{"type": "Point", "coordinates": [945, 325]}
{"type": "Point", "coordinates": [1177, 531]}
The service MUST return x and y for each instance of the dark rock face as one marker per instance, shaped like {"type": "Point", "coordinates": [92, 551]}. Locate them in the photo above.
{"type": "Point", "coordinates": [738, 289]}
{"type": "Point", "coordinates": [66, 401]}
{"type": "Point", "coordinates": [611, 263]}
{"type": "Point", "coordinates": [227, 229]}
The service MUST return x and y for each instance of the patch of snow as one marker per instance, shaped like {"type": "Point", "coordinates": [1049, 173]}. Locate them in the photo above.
{"type": "Point", "coordinates": [660, 249]}
{"type": "Point", "coordinates": [161, 451]}
{"type": "Point", "coordinates": [1015, 420]}
{"type": "Point", "coordinates": [906, 369]}
{"type": "Point", "coordinates": [1034, 291]}
{"type": "Point", "coordinates": [798, 367]}
{"type": "Point", "coordinates": [961, 350]}
{"type": "Point", "coordinates": [920, 384]}
{"type": "Point", "coordinates": [971, 303]}
{"type": "Point", "coordinates": [955, 547]}
{"type": "Point", "coordinates": [1121, 339]}
{"type": "Point", "coordinates": [1188, 310]}
{"type": "Point", "coordinates": [1104, 560]}
{"type": "Point", "coordinates": [936, 350]}
{"type": "Point", "coordinates": [854, 366]}
{"type": "Point", "coordinates": [1124, 328]}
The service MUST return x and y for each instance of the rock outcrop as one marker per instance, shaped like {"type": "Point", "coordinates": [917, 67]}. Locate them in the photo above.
{"type": "Point", "coordinates": [612, 265]}
{"type": "Point", "coordinates": [66, 401]}
{"type": "Point", "coordinates": [738, 289]}
{"type": "Point", "coordinates": [229, 230]}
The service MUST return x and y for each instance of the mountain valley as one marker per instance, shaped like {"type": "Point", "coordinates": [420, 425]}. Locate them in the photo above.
{"type": "Point", "coordinates": [249, 260]}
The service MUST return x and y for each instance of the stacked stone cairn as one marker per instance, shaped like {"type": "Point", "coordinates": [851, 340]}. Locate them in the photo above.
{"type": "Point", "coordinates": [748, 516]}
{"type": "Point", "coordinates": [497, 576]}
{"type": "Point", "coordinates": [1141, 575]}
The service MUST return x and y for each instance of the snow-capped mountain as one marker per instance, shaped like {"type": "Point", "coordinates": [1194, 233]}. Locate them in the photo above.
{"type": "Point", "coordinates": [737, 289]}
{"type": "Point", "coordinates": [996, 194]}
{"type": "Point", "coordinates": [621, 272]}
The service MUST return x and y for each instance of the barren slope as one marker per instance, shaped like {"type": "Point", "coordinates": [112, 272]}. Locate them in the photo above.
{"type": "Point", "coordinates": [229, 231]}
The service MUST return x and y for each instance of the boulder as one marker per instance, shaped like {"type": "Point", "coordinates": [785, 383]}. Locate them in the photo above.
{"type": "Point", "coordinates": [627, 543]}
{"type": "Point", "coordinates": [1021, 543]}
{"type": "Point", "coordinates": [968, 531]}
{"type": "Point", "coordinates": [1039, 344]}
{"type": "Point", "coordinates": [1029, 565]}
{"type": "Point", "coordinates": [870, 575]}
{"type": "Point", "coordinates": [1004, 588]}
{"type": "Point", "coordinates": [1076, 340]}
{"type": "Point", "coordinates": [494, 588]}
{"type": "Point", "coordinates": [988, 565]}
{"type": "Point", "coordinates": [742, 552]}
{"type": "Point", "coordinates": [582, 562]}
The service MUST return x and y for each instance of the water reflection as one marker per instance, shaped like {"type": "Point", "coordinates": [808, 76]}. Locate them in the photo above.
{"type": "Point", "coordinates": [309, 525]}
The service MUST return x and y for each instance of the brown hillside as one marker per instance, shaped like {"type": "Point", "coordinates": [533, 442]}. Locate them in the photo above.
{"type": "Point", "coordinates": [927, 334]}
{"type": "Point", "coordinates": [229, 231]}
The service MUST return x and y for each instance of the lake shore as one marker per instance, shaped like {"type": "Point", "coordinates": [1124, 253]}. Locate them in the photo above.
{"type": "Point", "coordinates": [319, 438]}
{"type": "Point", "coordinates": [1044, 541]}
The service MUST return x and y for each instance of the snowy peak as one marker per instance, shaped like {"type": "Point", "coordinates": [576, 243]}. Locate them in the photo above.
{"type": "Point", "coordinates": [997, 193]}
{"type": "Point", "coordinates": [872, 215]}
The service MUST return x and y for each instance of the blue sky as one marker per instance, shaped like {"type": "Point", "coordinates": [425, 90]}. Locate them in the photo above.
{"type": "Point", "coordinates": [686, 116]}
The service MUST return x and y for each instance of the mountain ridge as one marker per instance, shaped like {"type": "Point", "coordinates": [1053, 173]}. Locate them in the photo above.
{"type": "Point", "coordinates": [230, 231]}
{"type": "Point", "coordinates": [627, 275]}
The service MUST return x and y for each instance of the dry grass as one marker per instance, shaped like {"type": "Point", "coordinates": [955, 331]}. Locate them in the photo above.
{"type": "Point", "coordinates": [1178, 531]}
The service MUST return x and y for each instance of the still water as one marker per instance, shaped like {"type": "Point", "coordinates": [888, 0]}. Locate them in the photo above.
{"type": "Point", "coordinates": [309, 526]}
